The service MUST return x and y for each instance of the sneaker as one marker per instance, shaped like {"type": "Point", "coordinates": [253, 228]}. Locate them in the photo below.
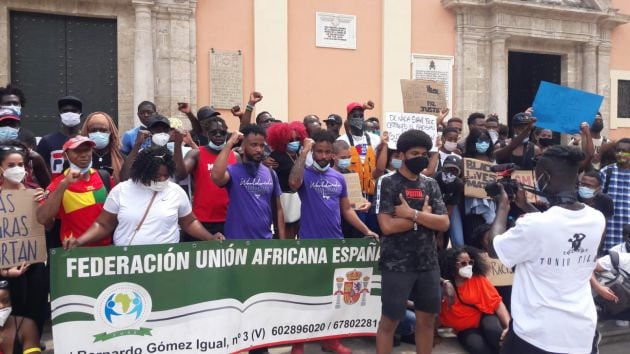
{"type": "Point", "coordinates": [621, 323]}
{"type": "Point", "coordinates": [335, 346]}
{"type": "Point", "coordinates": [297, 348]}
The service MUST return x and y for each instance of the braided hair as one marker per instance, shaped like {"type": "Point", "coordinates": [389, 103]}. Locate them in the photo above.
{"type": "Point", "coordinates": [146, 167]}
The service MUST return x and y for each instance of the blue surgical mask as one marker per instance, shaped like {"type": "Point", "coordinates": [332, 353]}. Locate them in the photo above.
{"type": "Point", "coordinates": [320, 168]}
{"type": "Point", "coordinates": [17, 109]}
{"type": "Point", "coordinates": [344, 163]}
{"type": "Point", "coordinates": [482, 146]}
{"type": "Point", "coordinates": [216, 147]}
{"type": "Point", "coordinates": [8, 133]}
{"type": "Point", "coordinates": [586, 192]}
{"type": "Point", "coordinates": [83, 170]}
{"type": "Point", "coordinates": [100, 139]}
{"type": "Point", "coordinates": [293, 146]}
{"type": "Point", "coordinates": [396, 163]}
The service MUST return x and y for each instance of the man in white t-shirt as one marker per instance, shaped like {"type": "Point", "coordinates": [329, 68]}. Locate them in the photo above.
{"type": "Point", "coordinates": [554, 253]}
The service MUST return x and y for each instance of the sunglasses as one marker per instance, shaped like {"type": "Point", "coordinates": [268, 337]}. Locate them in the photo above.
{"type": "Point", "coordinates": [9, 147]}
{"type": "Point", "coordinates": [217, 132]}
{"type": "Point", "coordinates": [465, 264]}
{"type": "Point", "coordinates": [161, 157]}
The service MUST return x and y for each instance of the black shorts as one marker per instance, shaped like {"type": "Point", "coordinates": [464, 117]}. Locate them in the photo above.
{"type": "Point", "coordinates": [423, 288]}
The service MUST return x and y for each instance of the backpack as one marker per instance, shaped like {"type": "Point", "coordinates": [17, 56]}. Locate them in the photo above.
{"type": "Point", "coordinates": [618, 280]}
{"type": "Point", "coordinates": [106, 178]}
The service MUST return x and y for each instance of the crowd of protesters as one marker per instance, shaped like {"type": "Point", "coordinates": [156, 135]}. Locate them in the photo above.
{"type": "Point", "coordinates": [159, 183]}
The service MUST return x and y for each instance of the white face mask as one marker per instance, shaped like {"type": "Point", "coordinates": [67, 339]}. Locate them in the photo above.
{"type": "Point", "coordinates": [158, 186]}
{"type": "Point", "coordinates": [466, 272]}
{"type": "Point", "coordinates": [160, 139]}
{"type": "Point", "coordinates": [448, 177]}
{"type": "Point", "coordinates": [450, 146]}
{"type": "Point", "coordinates": [15, 174]}
{"type": "Point", "coordinates": [4, 315]}
{"type": "Point", "coordinates": [494, 135]}
{"type": "Point", "coordinates": [70, 119]}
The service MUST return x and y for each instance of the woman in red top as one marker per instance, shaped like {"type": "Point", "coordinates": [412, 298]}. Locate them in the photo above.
{"type": "Point", "coordinates": [478, 315]}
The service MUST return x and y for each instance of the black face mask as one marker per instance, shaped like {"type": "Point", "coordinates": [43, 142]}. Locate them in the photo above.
{"type": "Point", "coordinates": [597, 127]}
{"type": "Point", "coordinates": [356, 125]}
{"type": "Point", "coordinates": [545, 142]}
{"type": "Point", "coordinates": [417, 164]}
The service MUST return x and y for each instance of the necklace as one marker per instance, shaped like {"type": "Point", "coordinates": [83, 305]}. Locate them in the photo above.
{"type": "Point", "coordinates": [100, 157]}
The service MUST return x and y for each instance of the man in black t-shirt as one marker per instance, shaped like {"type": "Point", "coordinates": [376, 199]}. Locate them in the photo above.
{"type": "Point", "coordinates": [410, 211]}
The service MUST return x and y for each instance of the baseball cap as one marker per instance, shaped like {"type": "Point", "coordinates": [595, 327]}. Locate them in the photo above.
{"type": "Point", "coordinates": [9, 113]}
{"type": "Point", "coordinates": [520, 119]}
{"type": "Point", "coordinates": [74, 142]}
{"type": "Point", "coordinates": [206, 112]}
{"type": "Point", "coordinates": [70, 100]}
{"type": "Point", "coordinates": [453, 161]}
{"type": "Point", "coordinates": [353, 105]}
{"type": "Point", "coordinates": [333, 118]}
{"type": "Point", "coordinates": [158, 119]}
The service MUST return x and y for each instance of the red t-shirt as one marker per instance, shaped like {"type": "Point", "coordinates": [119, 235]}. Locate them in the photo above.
{"type": "Point", "coordinates": [82, 203]}
{"type": "Point", "coordinates": [209, 200]}
{"type": "Point", "coordinates": [476, 291]}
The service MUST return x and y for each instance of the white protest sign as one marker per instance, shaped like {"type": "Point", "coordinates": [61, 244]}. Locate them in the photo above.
{"type": "Point", "coordinates": [397, 123]}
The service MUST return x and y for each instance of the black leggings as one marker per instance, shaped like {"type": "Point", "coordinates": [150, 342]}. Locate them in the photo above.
{"type": "Point", "coordinates": [515, 344]}
{"type": "Point", "coordinates": [485, 338]}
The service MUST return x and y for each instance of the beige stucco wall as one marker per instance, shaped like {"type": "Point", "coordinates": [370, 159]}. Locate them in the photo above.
{"type": "Point", "coordinates": [620, 55]}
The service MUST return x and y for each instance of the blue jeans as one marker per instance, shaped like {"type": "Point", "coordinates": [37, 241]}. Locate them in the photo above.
{"type": "Point", "coordinates": [456, 230]}
{"type": "Point", "coordinates": [407, 326]}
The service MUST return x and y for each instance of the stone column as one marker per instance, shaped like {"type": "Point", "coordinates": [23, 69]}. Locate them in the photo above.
{"type": "Point", "coordinates": [458, 100]}
{"type": "Point", "coordinates": [603, 82]}
{"type": "Point", "coordinates": [589, 67]}
{"type": "Point", "coordinates": [144, 79]}
{"type": "Point", "coordinates": [498, 78]}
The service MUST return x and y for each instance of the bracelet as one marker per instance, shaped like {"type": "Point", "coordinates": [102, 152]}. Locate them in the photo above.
{"type": "Point", "coordinates": [415, 220]}
{"type": "Point", "coordinates": [444, 282]}
{"type": "Point", "coordinates": [249, 108]}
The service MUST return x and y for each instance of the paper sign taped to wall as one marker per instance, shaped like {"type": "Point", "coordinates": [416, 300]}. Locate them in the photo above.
{"type": "Point", "coordinates": [562, 109]}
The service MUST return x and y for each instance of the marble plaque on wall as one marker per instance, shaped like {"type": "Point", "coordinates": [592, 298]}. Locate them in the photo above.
{"type": "Point", "coordinates": [335, 30]}
{"type": "Point", "coordinates": [226, 79]}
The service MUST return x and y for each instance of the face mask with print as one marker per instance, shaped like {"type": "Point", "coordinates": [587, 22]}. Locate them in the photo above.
{"type": "Point", "coordinates": [4, 315]}
{"type": "Point", "coordinates": [448, 177]}
{"type": "Point", "coordinates": [494, 136]}
{"type": "Point", "coordinates": [320, 168]}
{"type": "Point", "coordinates": [356, 125]}
{"type": "Point", "coordinates": [158, 186]}
{"type": "Point", "coordinates": [293, 146]}
{"type": "Point", "coordinates": [482, 146]}
{"type": "Point", "coordinates": [216, 147]}
{"type": "Point", "coordinates": [17, 109]}
{"type": "Point", "coordinates": [450, 146]}
{"type": "Point", "coordinates": [83, 170]}
{"type": "Point", "coordinates": [15, 174]}
{"type": "Point", "coordinates": [8, 133]}
{"type": "Point", "coordinates": [586, 192]}
{"type": "Point", "coordinates": [70, 119]}
{"type": "Point", "coordinates": [344, 163]}
{"type": "Point", "coordinates": [396, 163]}
{"type": "Point", "coordinates": [160, 139]}
{"type": "Point", "coordinates": [466, 272]}
{"type": "Point", "coordinates": [101, 139]}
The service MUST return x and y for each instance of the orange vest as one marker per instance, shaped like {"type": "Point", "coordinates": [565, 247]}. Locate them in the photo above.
{"type": "Point", "coordinates": [364, 170]}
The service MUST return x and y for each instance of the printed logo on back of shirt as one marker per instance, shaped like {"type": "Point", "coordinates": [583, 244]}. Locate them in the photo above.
{"type": "Point", "coordinates": [576, 244]}
{"type": "Point", "coordinates": [414, 194]}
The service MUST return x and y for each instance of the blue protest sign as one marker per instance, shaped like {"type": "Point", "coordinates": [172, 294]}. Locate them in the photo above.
{"type": "Point", "coordinates": [562, 109]}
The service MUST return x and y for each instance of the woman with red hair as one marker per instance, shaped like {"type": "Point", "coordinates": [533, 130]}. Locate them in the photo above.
{"type": "Point", "coordinates": [285, 140]}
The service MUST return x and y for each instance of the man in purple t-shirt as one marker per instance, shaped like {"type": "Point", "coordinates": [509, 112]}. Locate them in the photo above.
{"type": "Point", "coordinates": [251, 187]}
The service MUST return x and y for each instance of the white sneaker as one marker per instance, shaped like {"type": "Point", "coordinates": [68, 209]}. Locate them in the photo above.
{"type": "Point", "coordinates": [621, 323]}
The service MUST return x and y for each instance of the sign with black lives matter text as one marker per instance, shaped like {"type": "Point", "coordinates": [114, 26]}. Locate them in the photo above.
{"type": "Point", "coordinates": [477, 174]}
{"type": "Point", "coordinates": [397, 123]}
{"type": "Point", "coordinates": [423, 96]}
{"type": "Point", "coordinates": [22, 237]}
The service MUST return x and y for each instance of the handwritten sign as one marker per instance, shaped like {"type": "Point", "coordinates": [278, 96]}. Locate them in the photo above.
{"type": "Point", "coordinates": [423, 96]}
{"type": "Point", "coordinates": [23, 238]}
{"type": "Point", "coordinates": [397, 123]}
{"type": "Point", "coordinates": [562, 109]}
{"type": "Point", "coordinates": [498, 273]}
{"type": "Point", "coordinates": [353, 185]}
{"type": "Point", "coordinates": [477, 175]}
{"type": "Point", "coordinates": [527, 178]}
{"type": "Point", "coordinates": [226, 79]}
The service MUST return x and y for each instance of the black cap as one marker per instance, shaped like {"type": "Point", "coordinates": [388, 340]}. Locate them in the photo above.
{"type": "Point", "coordinates": [334, 118]}
{"type": "Point", "coordinates": [158, 119]}
{"type": "Point", "coordinates": [206, 112]}
{"type": "Point", "coordinates": [70, 100]}
{"type": "Point", "coordinates": [453, 161]}
{"type": "Point", "coordinates": [520, 119]}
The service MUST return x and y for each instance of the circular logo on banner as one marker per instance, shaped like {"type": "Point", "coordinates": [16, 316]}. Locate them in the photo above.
{"type": "Point", "coordinates": [123, 305]}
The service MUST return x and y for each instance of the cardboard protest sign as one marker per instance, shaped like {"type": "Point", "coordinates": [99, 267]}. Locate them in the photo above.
{"type": "Point", "coordinates": [477, 174]}
{"type": "Point", "coordinates": [353, 185]}
{"type": "Point", "coordinates": [498, 274]}
{"type": "Point", "coordinates": [23, 238]}
{"type": "Point", "coordinates": [562, 109]}
{"type": "Point", "coordinates": [423, 96]}
{"type": "Point", "coordinates": [527, 178]}
{"type": "Point", "coordinates": [397, 123]}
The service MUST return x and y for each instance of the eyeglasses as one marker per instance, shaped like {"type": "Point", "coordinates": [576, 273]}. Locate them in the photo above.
{"type": "Point", "coordinates": [11, 147]}
{"type": "Point", "coordinates": [465, 264]}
